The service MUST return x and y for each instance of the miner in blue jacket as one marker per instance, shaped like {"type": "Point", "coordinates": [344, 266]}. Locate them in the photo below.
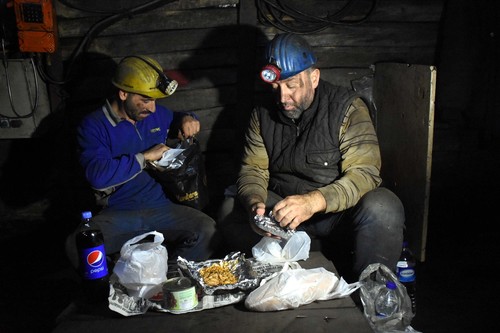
{"type": "Point", "coordinates": [116, 143]}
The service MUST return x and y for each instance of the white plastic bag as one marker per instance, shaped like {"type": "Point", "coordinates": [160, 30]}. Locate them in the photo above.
{"type": "Point", "coordinates": [372, 279]}
{"type": "Point", "coordinates": [271, 250]}
{"type": "Point", "coordinates": [142, 267]}
{"type": "Point", "coordinates": [295, 287]}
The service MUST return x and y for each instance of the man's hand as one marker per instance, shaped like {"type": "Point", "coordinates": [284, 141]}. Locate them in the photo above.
{"type": "Point", "coordinates": [189, 127]}
{"type": "Point", "coordinates": [259, 208]}
{"type": "Point", "coordinates": [155, 153]}
{"type": "Point", "coordinates": [295, 209]}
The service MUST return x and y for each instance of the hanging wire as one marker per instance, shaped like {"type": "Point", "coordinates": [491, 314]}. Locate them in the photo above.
{"type": "Point", "coordinates": [34, 103]}
{"type": "Point", "coordinates": [285, 17]}
{"type": "Point", "coordinates": [93, 31]}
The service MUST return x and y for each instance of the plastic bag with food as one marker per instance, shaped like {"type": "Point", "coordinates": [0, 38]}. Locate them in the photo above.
{"type": "Point", "coordinates": [295, 287]}
{"type": "Point", "coordinates": [142, 267]}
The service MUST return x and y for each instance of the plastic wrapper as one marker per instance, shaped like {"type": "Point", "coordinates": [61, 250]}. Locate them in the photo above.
{"type": "Point", "coordinates": [181, 173]}
{"type": "Point", "coordinates": [269, 224]}
{"type": "Point", "coordinates": [171, 159]}
{"type": "Point", "coordinates": [274, 250]}
{"type": "Point", "coordinates": [372, 279]}
{"type": "Point", "coordinates": [143, 265]}
{"type": "Point", "coordinates": [296, 287]}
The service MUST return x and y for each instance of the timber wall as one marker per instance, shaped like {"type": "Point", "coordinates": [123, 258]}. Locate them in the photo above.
{"type": "Point", "coordinates": [212, 48]}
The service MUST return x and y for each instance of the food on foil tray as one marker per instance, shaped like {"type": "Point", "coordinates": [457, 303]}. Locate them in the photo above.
{"type": "Point", "coordinates": [232, 273]}
{"type": "Point", "coordinates": [218, 274]}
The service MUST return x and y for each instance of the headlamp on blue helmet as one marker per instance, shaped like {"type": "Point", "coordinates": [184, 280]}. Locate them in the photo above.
{"type": "Point", "coordinates": [287, 55]}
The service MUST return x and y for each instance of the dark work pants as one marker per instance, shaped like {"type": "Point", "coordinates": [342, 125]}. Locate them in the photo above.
{"type": "Point", "coordinates": [188, 232]}
{"type": "Point", "coordinates": [375, 225]}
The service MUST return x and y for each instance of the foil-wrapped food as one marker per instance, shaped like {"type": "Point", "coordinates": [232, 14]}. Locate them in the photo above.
{"type": "Point", "coordinates": [269, 224]}
{"type": "Point", "coordinates": [232, 273]}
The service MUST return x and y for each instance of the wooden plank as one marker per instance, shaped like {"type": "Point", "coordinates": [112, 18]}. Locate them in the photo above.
{"type": "Point", "coordinates": [220, 140]}
{"type": "Point", "coordinates": [189, 60]}
{"type": "Point", "coordinates": [196, 99]}
{"type": "Point", "coordinates": [387, 10]}
{"type": "Point", "coordinates": [405, 95]}
{"type": "Point", "coordinates": [92, 85]}
{"type": "Point", "coordinates": [247, 60]}
{"type": "Point", "coordinates": [331, 57]}
{"type": "Point", "coordinates": [344, 76]}
{"type": "Point", "coordinates": [105, 8]}
{"type": "Point", "coordinates": [408, 11]}
{"type": "Point", "coordinates": [216, 118]}
{"type": "Point", "coordinates": [205, 78]}
{"type": "Point", "coordinates": [388, 34]}
{"type": "Point", "coordinates": [160, 19]}
{"type": "Point", "coordinates": [181, 40]}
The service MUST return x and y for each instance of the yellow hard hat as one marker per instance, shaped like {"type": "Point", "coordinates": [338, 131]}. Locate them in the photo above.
{"type": "Point", "coordinates": [143, 75]}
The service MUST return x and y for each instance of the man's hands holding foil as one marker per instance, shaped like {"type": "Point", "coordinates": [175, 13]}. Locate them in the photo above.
{"type": "Point", "coordinates": [290, 212]}
{"type": "Point", "coordinates": [189, 127]}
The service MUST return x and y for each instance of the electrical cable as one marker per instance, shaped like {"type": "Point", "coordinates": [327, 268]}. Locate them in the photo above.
{"type": "Point", "coordinates": [95, 29]}
{"type": "Point", "coordinates": [88, 9]}
{"type": "Point", "coordinates": [287, 18]}
{"type": "Point", "coordinates": [9, 89]}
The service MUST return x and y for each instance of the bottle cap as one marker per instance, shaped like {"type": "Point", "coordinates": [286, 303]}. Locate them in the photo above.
{"type": "Point", "coordinates": [87, 215]}
{"type": "Point", "coordinates": [391, 285]}
{"type": "Point", "coordinates": [405, 244]}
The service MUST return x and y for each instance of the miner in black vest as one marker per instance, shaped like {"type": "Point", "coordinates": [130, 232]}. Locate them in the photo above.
{"type": "Point", "coordinates": [311, 156]}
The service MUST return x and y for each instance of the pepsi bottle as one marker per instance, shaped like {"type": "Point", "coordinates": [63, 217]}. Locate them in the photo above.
{"type": "Point", "coordinates": [93, 265]}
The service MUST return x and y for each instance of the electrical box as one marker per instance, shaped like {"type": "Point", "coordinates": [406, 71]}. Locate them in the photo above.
{"type": "Point", "coordinates": [35, 20]}
{"type": "Point", "coordinates": [23, 97]}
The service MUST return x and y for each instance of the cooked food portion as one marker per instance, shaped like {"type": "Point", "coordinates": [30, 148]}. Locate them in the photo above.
{"type": "Point", "coordinates": [218, 274]}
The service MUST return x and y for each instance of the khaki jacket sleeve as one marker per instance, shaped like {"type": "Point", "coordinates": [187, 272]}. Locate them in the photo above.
{"type": "Point", "coordinates": [361, 162]}
{"type": "Point", "coordinates": [253, 177]}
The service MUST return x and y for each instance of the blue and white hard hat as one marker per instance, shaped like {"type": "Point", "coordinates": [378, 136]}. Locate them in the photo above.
{"type": "Point", "coordinates": [286, 55]}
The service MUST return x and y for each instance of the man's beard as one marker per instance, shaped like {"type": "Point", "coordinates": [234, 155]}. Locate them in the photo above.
{"type": "Point", "coordinates": [292, 114]}
{"type": "Point", "coordinates": [134, 113]}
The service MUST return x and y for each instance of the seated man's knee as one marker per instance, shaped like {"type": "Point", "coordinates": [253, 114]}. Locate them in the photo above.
{"type": "Point", "coordinates": [384, 205]}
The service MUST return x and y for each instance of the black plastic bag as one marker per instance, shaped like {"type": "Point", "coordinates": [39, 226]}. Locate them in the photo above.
{"type": "Point", "coordinates": [186, 183]}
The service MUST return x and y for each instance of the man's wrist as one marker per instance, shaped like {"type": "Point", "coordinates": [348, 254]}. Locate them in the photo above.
{"type": "Point", "coordinates": [317, 201]}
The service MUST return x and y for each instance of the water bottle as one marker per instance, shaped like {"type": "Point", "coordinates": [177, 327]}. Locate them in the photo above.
{"type": "Point", "coordinates": [93, 264]}
{"type": "Point", "coordinates": [387, 301]}
{"type": "Point", "coordinates": [407, 275]}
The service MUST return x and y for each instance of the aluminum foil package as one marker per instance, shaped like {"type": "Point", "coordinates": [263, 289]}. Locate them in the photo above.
{"type": "Point", "coordinates": [269, 224]}
{"type": "Point", "coordinates": [234, 267]}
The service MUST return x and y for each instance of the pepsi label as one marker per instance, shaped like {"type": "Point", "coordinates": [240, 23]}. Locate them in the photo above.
{"type": "Point", "coordinates": [94, 263]}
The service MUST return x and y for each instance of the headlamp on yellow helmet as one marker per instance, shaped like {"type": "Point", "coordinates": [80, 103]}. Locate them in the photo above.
{"type": "Point", "coordinates": [143, 75]}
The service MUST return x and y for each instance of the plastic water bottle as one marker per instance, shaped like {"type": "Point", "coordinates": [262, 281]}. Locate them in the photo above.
{"type": "Point", "coordinates": [387, 301]}
{"type": "Point", "coordinates": [93, 264]}
{"type": "Point", "coordinates": [407, 274]}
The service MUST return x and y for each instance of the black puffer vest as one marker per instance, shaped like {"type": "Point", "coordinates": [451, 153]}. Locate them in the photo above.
{"type": "Point", "coordinates": [305, 156]}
